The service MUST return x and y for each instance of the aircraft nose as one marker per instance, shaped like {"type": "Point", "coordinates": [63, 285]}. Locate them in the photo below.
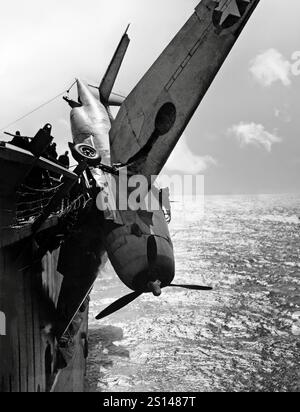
{"type": "Point", "coordinates": [160, 269]}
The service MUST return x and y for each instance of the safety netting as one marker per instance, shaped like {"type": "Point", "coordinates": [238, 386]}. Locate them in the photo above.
{"type": "Point", "coordinates": [31, 203]}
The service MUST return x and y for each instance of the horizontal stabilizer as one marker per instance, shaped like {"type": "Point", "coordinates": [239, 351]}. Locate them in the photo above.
{"type": "Point", "coordinates": [116, 100]}
{"type": "Point", "coordinates": [111, 74]}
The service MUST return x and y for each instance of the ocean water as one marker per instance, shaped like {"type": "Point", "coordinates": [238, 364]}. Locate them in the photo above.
{"type": "Point", "coordinates": [243, 336]}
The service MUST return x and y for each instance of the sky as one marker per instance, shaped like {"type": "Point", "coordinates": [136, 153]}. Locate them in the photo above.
{"type": "Point", "coordinates": [244, 136]}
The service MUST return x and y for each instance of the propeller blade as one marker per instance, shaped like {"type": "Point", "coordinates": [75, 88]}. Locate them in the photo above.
{"type": "Point", "coordinates": [152, 251]}
{"type": "Point", "coordinates": [119, 304]}
{"type": "Point", "coordinates": [192, 287]}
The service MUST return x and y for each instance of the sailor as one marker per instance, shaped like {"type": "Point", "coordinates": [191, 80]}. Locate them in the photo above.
{"type": "Point", "coordinates": [64, 160]}
{"type": "Point", "coordinates": [20, 141]}
{"type": "Point", "coordinates": [52, 153]}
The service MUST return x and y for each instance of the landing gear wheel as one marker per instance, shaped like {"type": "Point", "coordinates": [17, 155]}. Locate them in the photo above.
{"type": "Point", "coordinates": [87, 153]}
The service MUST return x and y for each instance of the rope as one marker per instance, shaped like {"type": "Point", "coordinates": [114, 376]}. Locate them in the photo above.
{"type": "Point", "coordinates": [119, 95]}
{"type": "Point", "coordinates": [34, 190]}
{"type": "Point", "coordinates": [113, 93]}
{"type": "Point", "coordinates": [37, 108]}
{"type": "Point", "coordinates": [75, 205]}
{"type": "Point", "coordinates": [30, 210]}
{"type": "Point", "coordinates": [29, 216]}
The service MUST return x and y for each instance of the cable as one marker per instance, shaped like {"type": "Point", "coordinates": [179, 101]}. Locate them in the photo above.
{"type": "Point", "coordinates": [113, 93]}
{"type": "Point", "coordinates": [37, 108]}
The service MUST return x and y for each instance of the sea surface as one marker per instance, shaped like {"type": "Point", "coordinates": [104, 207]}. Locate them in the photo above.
{"type": "Point", "coordinates": [243, 336]}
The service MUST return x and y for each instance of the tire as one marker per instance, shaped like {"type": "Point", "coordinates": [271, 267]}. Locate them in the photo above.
{"type": "Point", "coordinates": [88, 153]}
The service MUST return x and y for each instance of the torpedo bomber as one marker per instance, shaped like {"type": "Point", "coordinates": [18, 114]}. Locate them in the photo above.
{"type": "Point", "coordinates": [138, 142]}
{"type": "Point", "coordinates": [60, 223]}
{"type": "Point", "coordinates": [138, 243]}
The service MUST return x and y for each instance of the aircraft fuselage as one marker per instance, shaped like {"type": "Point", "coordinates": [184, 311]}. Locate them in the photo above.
{"type": "Point", "coordinates": [138, 243]}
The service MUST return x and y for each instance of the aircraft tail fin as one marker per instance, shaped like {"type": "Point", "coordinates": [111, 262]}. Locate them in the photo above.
{"type": "Point", "coordinates": [111, 74]}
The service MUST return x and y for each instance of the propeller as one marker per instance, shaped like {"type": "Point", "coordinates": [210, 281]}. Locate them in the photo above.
{"type": "Point", "coordinates": [119, 304]}
{"type": "Point", "coordinates": [153, 286]}
{"type": "Point", "coordinates": [152, 252]}
{"type": "Point", "coordinates": [192, 287]}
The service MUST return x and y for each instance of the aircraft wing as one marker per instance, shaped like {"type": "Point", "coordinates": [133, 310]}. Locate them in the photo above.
{"type": "Point", "coordinates": [155, 114]}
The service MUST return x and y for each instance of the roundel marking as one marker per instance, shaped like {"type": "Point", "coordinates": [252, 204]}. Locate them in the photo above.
{"type": "Point", "coordinates": [165, 118]}
{"type": "Point", "coordinates": [228, 12]}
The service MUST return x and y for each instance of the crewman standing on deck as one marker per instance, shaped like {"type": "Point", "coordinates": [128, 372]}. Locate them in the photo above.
{"type": "Point", "coordinates": [20, 141]}
{"type": "Point", "coordinates": [52, 153]}
{"type": "Point", "coordinates": [64, 160]}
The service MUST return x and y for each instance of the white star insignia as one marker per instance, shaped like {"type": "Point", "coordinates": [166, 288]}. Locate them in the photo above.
{"type": "Point", "coordinates": [229, 8]}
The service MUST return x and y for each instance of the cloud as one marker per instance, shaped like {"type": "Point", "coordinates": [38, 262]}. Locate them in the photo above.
{"type": "Point", "coordinates": [283, 114]}
{"type": "Point", "coordinates": [184, 160]}
{"type": "Point", "coordinates": [271, 67]}
{"type": "Point", "coordinates": [254, 134]}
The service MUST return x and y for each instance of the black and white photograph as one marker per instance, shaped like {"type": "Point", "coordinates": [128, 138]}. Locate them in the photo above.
{"type": "Point", "coordinates": [150, 199]}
